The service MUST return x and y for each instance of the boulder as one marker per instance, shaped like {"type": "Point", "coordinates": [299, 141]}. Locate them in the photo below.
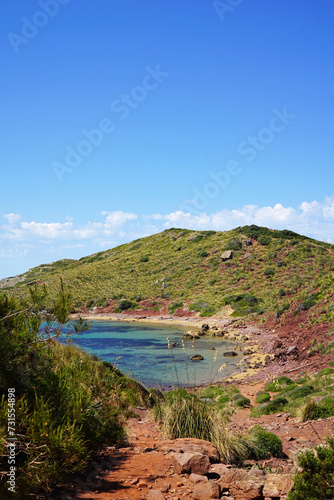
{"type": "Point", "coordinates": [191, 462]}
{"type": "Point", "coordinates": [230, 353]}
{"type": "Point", "coordinates": [206, 491]}
{"type": "Point", "coordinates": [277, 485]}
{"type": "Point", "coordinates": [196, 357]}
{"type": "Point", "coordinates": [205, 327]}
{"type": "Point", "coordinates": [191, 445]}
{"type": "Point", "coordinates": [196, 478]}
{"type": "Point", "coordinates": [191, 335]}
{"type": "Point", "coordinates": [156, 495]}
{"type": "Point", "coordinates": [227, 255]}
{"type": "Point", "coordinates": [249, 489]}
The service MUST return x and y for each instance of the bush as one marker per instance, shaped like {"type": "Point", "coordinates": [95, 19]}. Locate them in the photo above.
{"type": "Point", "coordinates": [145, 258]}
{"type": "Point", "coordinates": [299, 392]}
{"type": "Point", "coordinates": [125, 304]}
{"type": "Point", "coordinates": [233, 244]}
{"type": "Point", "coordinates": [262, 397]}
{"type": "Point", "coordinates": [316, 480]}
{"type": "Point", "coordinates": [240, 400]}
{"type": "Point", "coordinates": [264, 240]}
{"type": "Point", "coordinates": [203, 254]}
{"type": "Point", "coordinates": [313, 410]}
{"type": "Point", "coordinates": [59, 420]}
{"type": "Point", "coordinates": [174, 306]}
{"type": "Point", "coordinates": [269, 272]}
{"type": "Point", "coordinates": [278, 384]}
{"type": "Point", "coordinates": [325, 371]}
{"type": "Point", "coordinates": [266, 443]}
{"type": "Point", "coordinates": [268, 408]}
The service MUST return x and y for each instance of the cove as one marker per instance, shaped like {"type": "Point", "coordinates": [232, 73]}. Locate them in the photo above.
{"type": "Point", "coordinates": [141, 351]}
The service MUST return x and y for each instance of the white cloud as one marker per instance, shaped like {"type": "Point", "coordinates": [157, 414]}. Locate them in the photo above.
{"type": "Point", "coordinates": [118, 218]}
{"type": "Point", "coordinates": [18, 237]}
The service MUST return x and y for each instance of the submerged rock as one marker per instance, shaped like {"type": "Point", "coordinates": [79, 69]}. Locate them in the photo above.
{"type": "Point", "coordinates": [196, 357]}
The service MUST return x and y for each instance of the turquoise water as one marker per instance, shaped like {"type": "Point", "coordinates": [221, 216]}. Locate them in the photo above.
{"type": "Point", "coordinates": [142, 352]}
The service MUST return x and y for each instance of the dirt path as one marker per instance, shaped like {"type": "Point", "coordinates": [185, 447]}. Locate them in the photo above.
{"type": "Point", "coordinates": [130, 472]}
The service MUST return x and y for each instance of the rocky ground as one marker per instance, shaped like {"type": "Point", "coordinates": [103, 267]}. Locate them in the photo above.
{"type": "Point", "coordinates": [152, 468]}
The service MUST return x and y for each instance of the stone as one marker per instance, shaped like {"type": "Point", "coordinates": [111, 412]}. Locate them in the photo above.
{"type": "Point", "coordinates": [191, 462]}
{"type": "Point", "coordinates": [250, 489]}
{"type": "Point", "coordinates": [277, 485]}
{"type": "Point", "coordinates": [196, 478]}
{"type": "Point", "coordinates": [227, 255]}
{"type": "Point", "coordinates": [192, 445]}
{"type": "Point", "coordinates": [191, 335]}
{"type": "Point", "coordinates": [196, 357]}
{"type": "Point", "coordinates": [205, 327]}
{"type": "Point", "coordinates": [156, 495]}
{"type": "Point", "coordinates": [206, 491]}
{"type": "Point", "coordinates": [230, 353]}
{"type": "Point", "coordinates": [277, 345]}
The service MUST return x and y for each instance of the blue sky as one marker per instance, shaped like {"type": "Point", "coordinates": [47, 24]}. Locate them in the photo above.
{"type": "Point", "coordinates": [122, 118]}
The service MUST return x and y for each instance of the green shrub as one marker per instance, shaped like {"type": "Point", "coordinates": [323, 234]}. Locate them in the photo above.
{"type": "Point", "coordinates": [268, 408]}
{"type": "Point", "coordinates": [145, 258]}
{"type": "Point", "coordinates": [266, 443]}
{"type": "Point", "coordinates": [203, 254]}
{"type": "Point", "coordinates": [262, 397]}
{"type": "Point", "coordinates": [264, 240]}
{"type": "Point", "coordinates": [316, 480]}
{"type": "Point", "coordinates": [174, 306]}
{"type": "Point", "coordinates": [299, 392]}
{"type": "Point", "coordinates": [233, 244]}
{"type": "Point", "coordinates": [240, 400]}
{"type": "Point", "coordinates": [269, 272]}
{"type": "Point", "coordinates": [125, 304]}
{"type": "Point", "coordinates": [313, 410]}
{"type": "Point", "coordinates": [278, 384]}
{"type": "Point", "coordinates": [325, 371]}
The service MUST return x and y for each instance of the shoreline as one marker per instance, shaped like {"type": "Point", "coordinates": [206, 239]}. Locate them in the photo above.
{"type": "Point", "coordinates": [246, 337]}
{"type": "Point", "coordinates": [185, 321]}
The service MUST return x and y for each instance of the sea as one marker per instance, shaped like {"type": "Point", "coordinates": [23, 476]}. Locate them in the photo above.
{"type": "Point", "coordinates": [142, 351]}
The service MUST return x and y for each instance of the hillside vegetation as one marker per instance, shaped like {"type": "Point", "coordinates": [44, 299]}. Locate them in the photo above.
{"type": "Point", "coordinates": [270, 272]}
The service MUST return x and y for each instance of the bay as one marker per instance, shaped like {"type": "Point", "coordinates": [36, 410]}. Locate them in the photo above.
{"type": "Point", "coordinates": [141, 351]}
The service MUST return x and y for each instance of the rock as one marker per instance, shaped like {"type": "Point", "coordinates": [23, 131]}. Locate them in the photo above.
{"type": "Point", "coordinates": [221, 333]}
{"type": "Point", "coordinates": [196, 478]}
{"type": "Point", "coordinates": [293, 349]}
{"type": "Point", "coordinates": [212, 348]}
{"type": "Point", "coordinates": [206, 491]}
{"type": "Point", "coordinates": [277, 345]}
{"type": "Point", "coordinates": [191, 462]}
{"type": "Point", "coordinates": [156, 495]}
{"type": "Point", "coordinates": [230, 353]}
{"type": "Point", "coordinates": [247, 352]}
{"type": "Point", "coordinates": [191, 335]}
{"type": "Point", "coordinates": [246, 242]}
{"type": "Point", "coordinates": [191, 445]}
{"type": "Point", "coordinates": [227, 255]}
{"type": "Point", "coordinates": [250, 489]}
{"type": "Point", "coordinates": [196, 357]}
{"type": "Point", "coordinates": [277, 485]}
{"type": "Point", "coordinates": [205, 327]}
{"type": "Point", "coordinates": [231, 476]}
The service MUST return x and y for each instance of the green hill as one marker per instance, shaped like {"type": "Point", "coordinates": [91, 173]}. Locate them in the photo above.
{"type": "Point", "coordinates": [268, 272]}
